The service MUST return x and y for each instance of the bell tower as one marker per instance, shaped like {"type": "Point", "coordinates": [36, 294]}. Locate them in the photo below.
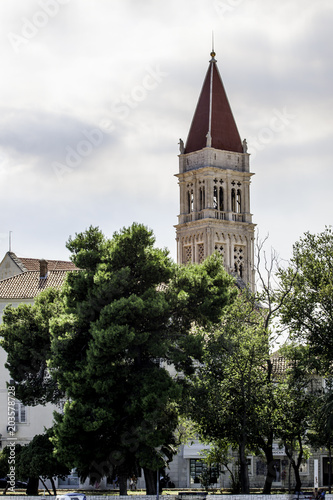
{"type": "Point", "coordinates": [214, 180]}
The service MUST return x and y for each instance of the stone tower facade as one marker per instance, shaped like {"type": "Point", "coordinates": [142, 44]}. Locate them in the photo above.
{"type": "Point", "coordinates": [214, 180]}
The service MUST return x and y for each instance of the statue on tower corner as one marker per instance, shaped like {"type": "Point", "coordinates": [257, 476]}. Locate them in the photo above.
{"type": "Point", "coordinates": [244, 146]}
{"type": "Point", "coordinates": [181, 146]}
{"type": "Point", "coordinates": [209, 140]}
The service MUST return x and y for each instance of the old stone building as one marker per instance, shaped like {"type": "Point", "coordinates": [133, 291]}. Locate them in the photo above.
{"type": "Point", "coordinates": [21, 281]}
{"type": "Point", "coordinates": [214, 180]}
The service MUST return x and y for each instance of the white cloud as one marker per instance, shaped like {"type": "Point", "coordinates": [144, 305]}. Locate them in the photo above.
{"type": "Point", "coordinates": [87, 67]}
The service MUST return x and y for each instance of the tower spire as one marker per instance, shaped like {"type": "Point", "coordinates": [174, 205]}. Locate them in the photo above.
{"type": "Point", "coordinates": [214, 181]}
{"type": "Point", "coordinates": [213, 116]}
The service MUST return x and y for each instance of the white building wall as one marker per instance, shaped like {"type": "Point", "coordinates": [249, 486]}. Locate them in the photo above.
{"type": "Point", "coordinates": [8, 268]}
{"type": "Point", "coordinates": [37, 417]}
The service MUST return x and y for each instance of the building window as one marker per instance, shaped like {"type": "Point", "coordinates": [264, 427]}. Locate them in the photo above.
{"type": "Point", "coordinates": [221, 200]}
{"type": "Point", "coordinates": [215, 200]}
{"type": "Point", "coordinates": [198, 468]}
{"type": "Point", "coordinates": [239, 201]}
{"type": "Point", "coordinates": [233, 200]}
{"type": "Point", "coordinates": [218, 199]}
{"type": "Point", "coordinates": [219, 247]}
{"type": "Point", "coordinates": [250, 465]}
{"type": "Point", "coordinates": [239, 254]}
{"type": "Point", "coordinates": [202, 198]}
{"type": "Point", "coordinates": [304, 467]}
{"type": "Point", "coordinates": [280, 468]}
{"type": "Point", "coordinates": [326, 471]}
{"type": "Point", "coordinates": [261, 468]}
{"type": "Point", "coordinates": [188, 202]}
{"type": "Point", "coordinates": [20, 413]}
{"type": "Point", "coordinates": [187, 259]}
{"type": "Point", "coordinates": [201, 253]}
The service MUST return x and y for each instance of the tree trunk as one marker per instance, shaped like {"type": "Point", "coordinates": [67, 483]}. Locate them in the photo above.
{"type": "Point", "coordinates": [295, 466]}
{"type": "Point", "coordinates": [151, 481]}
{"type": "Point", "coordinates": [244, 471]}
{"type": "Point", "coordinates": [298, 484]}
{"type": "Point", "coordinates": [53, 486]}
{"type": "Point", "coordinates": [270, 473]}
{"type": "Point", "coordinates": [122, 484]}
{"type": "Point", "coordinates": [32, 487]}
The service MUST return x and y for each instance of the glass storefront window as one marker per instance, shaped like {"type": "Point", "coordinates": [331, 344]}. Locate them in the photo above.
{"type": "Point", "coordinates": [197, 468]}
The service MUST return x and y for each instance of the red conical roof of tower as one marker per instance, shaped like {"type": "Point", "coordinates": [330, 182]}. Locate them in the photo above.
{"type": "Point", "coordinates": [213, 116]}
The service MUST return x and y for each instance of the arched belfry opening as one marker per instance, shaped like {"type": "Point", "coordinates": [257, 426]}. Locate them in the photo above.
{"type": "Point", "coordinates": [214, 180]}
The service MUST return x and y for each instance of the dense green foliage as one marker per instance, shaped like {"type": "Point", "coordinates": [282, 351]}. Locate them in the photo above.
{"type": "Point", "coordinates": [133, 340]}
{"type": "Point", "coordinates": [320, 433]}
{"type": "Point", "coordinates": [5, 457]}
{"type": "Point", "coordinates": [37, 460]}
{"type": "Point", "coordinates": [26, 338]}
{"type": "Point", "coordinates": [307, 313]}
{"type": "Point", "coordinates": [297, 393]}
{"type": "Point", "coordinates": [107, 342]}
{"type": "Point", "coordinates": [229, 391]}
{"type": "Point", "coordinates": [308, 310]}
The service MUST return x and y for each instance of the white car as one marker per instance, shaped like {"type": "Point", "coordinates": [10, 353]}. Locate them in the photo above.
{"type": "Point", "coordinates": [71, 496]}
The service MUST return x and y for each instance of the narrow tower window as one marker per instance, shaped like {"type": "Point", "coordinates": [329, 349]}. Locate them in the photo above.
{"type": "Point", "coordinates": [201, 253]}
{"type": "Point", "coordinates": [239, 270]}
{"type": "Point", "coordinates": [221, 204]}
{"type": "Point", "coordinates": [215, 201]}
{"type": "Point", "coordinates": [239, 255]}
{"type": "Point", "coordinates": [233, 200]}
{"type": "Point", "coordinates": [190, 201]}
{"type": "Point", "coordinates": [239, 201]}
{"type": "Point", "coordinates": [187, 254]}
{"type": "Point", "coordinates": [202, 198]}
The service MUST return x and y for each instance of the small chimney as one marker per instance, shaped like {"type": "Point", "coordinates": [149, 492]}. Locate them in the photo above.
{"type": "Point", "coordinates": [42, 268]}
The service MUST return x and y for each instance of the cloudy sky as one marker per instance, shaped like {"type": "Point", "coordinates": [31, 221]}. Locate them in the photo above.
{"type": "Point", "coordinates": [95, 95]}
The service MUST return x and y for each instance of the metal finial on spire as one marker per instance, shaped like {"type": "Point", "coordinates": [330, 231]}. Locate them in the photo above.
{"type": "Point", "coordinates": [213, 54]}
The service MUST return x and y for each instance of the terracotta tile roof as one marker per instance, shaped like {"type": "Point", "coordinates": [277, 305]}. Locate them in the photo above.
{"type": "Point", "coordinates": [28, 264]}
{"type": "Point", "coordinates": [28, 285]}
{"type": "Point", "coordinates": [213, 114]}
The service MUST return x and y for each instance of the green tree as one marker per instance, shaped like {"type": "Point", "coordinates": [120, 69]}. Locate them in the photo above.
{"type": "Point", "coordinates": [26, 339]}
{"type": "Point", "coordinates": [297, 395]}
{"type": "Point", "coordinates": [228, 389]}
{"type": "Point", "coordinates": [271, 296]}
{"type": "Point", "coordinates": [129, 315]}
{"type": "Point", "coordinates": [107, 341]}
{"type": "Point", "coordinates": [6, 461]}
{"type": "Point", "coordinates": [320, 433]}
{"type": "Point", "coordinates": [220, 455]}
{"type": "Point", "coordinates": [308, 312]}
{"type": "Point", "coordinates": [37, 460]}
